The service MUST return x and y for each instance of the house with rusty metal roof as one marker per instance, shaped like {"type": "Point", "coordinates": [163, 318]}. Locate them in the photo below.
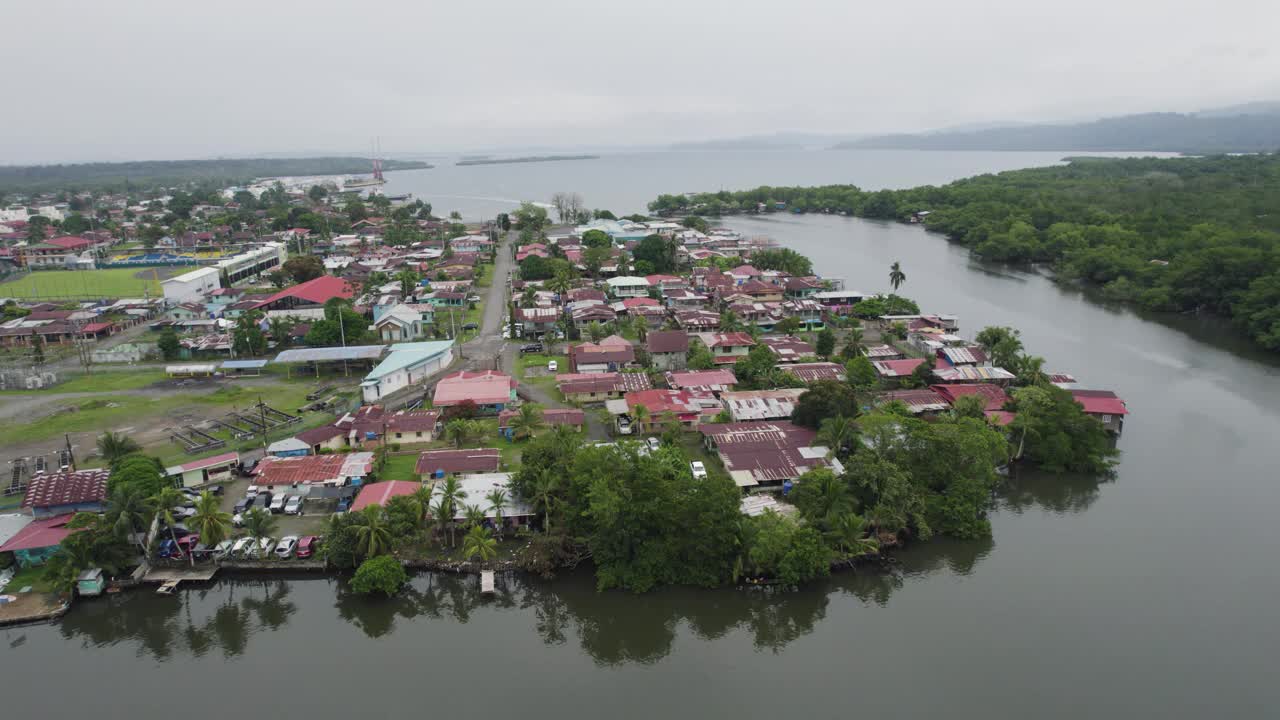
{"type": "Point", "coordinates": [766, 453]}
{"type": "Point", "coordinates": [59, 493]}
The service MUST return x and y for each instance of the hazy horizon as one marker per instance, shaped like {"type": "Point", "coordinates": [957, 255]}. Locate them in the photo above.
{"type": "Point", "coordinates": [127, 80]}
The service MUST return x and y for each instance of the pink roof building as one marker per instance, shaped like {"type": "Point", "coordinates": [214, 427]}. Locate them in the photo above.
{"type": "Point", "coordinates": [486, 387]}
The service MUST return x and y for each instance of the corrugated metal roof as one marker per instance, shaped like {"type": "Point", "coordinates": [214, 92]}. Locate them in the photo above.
{"type": "Point", "coordinates": [330, 354]}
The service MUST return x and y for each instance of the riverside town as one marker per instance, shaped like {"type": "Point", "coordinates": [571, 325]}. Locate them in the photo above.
{"type": "Point", "coordinates": [303, 374]}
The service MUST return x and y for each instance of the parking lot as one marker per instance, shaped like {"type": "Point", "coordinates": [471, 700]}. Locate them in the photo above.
{"type": "Point", "coordinates": [305, 524]}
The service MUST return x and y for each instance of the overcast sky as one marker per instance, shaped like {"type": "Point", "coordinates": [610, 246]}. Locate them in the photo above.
{"type": "Point", "coordinates": [119, 80]}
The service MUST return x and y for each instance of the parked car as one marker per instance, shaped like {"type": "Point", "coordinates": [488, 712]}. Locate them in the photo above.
{"type": "Point", "coordinates": [214, 490]}
{"type": "Point", "coordinates": [262, 500]}
{"type": "Point", "coordinates": [252, 491]}
{"type": "Point", "coordinates": [242, 504]}
{"type": "Point", "coordinates": [653, 443]}
{"type": "Point", "coordinates": [531, 348]}
{"type": "Point", "coordinates": [186, 544]}
{"type": "Point", "coordinates": [293, 506]}
{"type": "Point", "coordinates": [240, 547]}
{"type": "Point", "coordinates": [471, 326]}
{"type": "Point", "coordinates": [178, 531]}
{"type": "Point", "coordinates": [699, 470]}
{"type": "Point", "coordinates": [261, 549]}
{"type": "Point", "coordinates": [344, 503]}
{"type": "Point", "coordinates": [247, 467]}
{"type": "Point", "coordinates": [277, 503]}
{"type": "Point", "coordinates": [307, 546]}
{"type": "Point", "coordinates": [166, 548]}
{"type": "Point", "coordinates": [285, 547]}
{"type": "Point", "coordinates": [552, 366]}
{"type": "Point", "coordinates": [223, 549]}
{"type": "Point", "coordinates": [183, 513]}
{"type": "Point", "coordinates": [624, 425]}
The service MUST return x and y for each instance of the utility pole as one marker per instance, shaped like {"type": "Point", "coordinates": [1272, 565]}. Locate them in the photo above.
{"type": "Point", "coordinates": [262, 415]}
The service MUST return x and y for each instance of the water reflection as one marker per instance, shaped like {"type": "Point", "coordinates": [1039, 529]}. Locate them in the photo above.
{"type": "Point", "coordinates": [163, 626]}
{"type": "Point", "coordinates": [1065, 494]}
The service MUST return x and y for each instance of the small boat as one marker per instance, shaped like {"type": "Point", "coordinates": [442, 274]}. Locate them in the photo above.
{"type": "Point", "coordinates": [168, 587]}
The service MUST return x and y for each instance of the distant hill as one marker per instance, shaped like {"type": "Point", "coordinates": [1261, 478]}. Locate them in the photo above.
{"type": "Point", "coordinates": [775, 141]}
{"type": "Point", "coordinates": [1249, 128]}
{"type": "Point", "coordinates": [165, 173]}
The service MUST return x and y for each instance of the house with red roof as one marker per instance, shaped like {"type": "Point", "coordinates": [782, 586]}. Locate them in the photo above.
{"type": "Point", "coordinates": [995, 396]}
{"type": "Point", "coordinates": [598, 387]}
{"type": "Point", "coordinates": [438, 463]}
{"type": "Point", "coordinates": [812, 372]}
{"type": "Point", "coordinates": [714, 380]}
{"type": "Point", "coordinates": [688, 407]}
{"type": "Point", "coordinates": [53, 252]}
{"type": "Point", "coordinates": [38, 540]}
{"type": "Point", "coordinates": [490, 390]}
{"type": "Point", "coordinates": [59, 493]}
{"type": "Point", "coordinates": [896, 370]}
{"type": "Point", "coordinates": [312, 292]}
{"type": "Point", "coordinates": [380, 493]}
{"type": "Point", "coordinates": [290, 472]}
{"type": "Point", "coordinates": [1104, 405]}
{"type": "Point", "coordinates": [727, 348]}
{"type": "Point", "coordinates": [611, 354]}
{"type": "Point", "coordinates": [766, 453]}
{"type": "Point", "coordinates": [668, 349]}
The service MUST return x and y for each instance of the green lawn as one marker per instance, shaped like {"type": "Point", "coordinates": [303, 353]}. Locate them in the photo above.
{"type": "Point", "coordinates": [33, 576]}
{"type": "Point", "coordinates": [82, 284]}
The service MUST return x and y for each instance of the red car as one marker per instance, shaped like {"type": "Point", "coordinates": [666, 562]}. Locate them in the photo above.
{"type": "Point", "coordinates": [307, 546]}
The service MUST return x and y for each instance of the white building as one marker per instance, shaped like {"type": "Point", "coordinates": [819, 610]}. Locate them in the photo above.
{"type": "Point", "coordinates": [253, 262]}
{"type": "Point", "coordinates": [407, 364]}
{"type": "Point", "coordinates": [190, 287]}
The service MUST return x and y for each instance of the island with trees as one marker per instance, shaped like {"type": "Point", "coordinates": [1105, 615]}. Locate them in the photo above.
{"type": "Point", "coordinates": [525, 159]}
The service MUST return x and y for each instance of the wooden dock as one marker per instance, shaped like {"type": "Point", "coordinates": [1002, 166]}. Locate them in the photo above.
{"type": "Point", "coordinates": [163, 575]}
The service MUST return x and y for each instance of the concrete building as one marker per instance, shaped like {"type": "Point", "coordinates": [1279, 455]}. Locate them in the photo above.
{"type": "Point", "coordinates": [408, 363]}
{"type": "Point", "coordinates": [190, 287]}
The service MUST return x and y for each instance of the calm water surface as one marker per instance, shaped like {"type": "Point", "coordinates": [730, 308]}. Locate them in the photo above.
{"type": "Point", "coordinates": [1151, 594]}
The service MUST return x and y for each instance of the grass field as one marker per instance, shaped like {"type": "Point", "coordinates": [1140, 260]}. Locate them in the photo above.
{"type": "Point", "coordinates": [81, 284]}
{"type": "Point", "coordinates": [103, 381]}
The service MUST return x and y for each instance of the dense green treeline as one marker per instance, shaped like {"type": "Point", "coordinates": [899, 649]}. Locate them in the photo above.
{"type": "Point", "coordinates": [127, 176]}
{"type": "Point", "coordinates": [1179, 234]}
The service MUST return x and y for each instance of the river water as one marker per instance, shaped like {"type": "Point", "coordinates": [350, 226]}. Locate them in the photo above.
{"type": "Point", "coordinates": [1149, 594]}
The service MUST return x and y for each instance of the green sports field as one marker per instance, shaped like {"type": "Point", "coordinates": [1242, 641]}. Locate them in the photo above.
{"type": "Point", "coordinates": [82, 284]}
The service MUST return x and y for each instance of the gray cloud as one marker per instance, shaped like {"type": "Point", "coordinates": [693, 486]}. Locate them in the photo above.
{"type": "Point", "coordinates": [126, 80]}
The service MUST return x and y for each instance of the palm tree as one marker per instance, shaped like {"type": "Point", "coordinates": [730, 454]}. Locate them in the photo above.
{"type": "Point", "coordinates": [164, 502]}
{"type": "Point", "coordinates": [595, 331]}
{"type": "Point", "coordinates": [128, 512]}
{"type": "Point", "coordinates": [529, 297]}
{"type": "Point", "coordinates": [259, 523]}
{"type": "Point", "coordinates": [528, 421]}
{"type": "Point", "coordinates": [641, 415]}
{"type": "Point", "coordinates": [408, 280]}
{"type": "Point", "coordinates": [458, 431]}
{"type": "Point", "coordinates": [451, 493]}
{"type": "Point", "coordinates": [560, 284]}
{"type": "Point", "coordinates": [641, 328]}
{"type": "Point", "coordinates": [279, 328]}
{"type": "Point", "coordinates": [544, 496]}
{"type": "Point", "coordinates": [373, 536]}
{"type": "Point", "coordinates": [896, 276]}
{"type": "Point", "coordinates": [479, 544]}
{"type": "Point", "coordinates": [729, 321]}
{"type": "Point", "coordinates": [853, 345]}
{"type": "Point", "coordinates": [838, 433]}
{"type": "Point", "coordinates": [850, 531]}
{"type": "Point", "coordinates": [474, 515]}
{"type": "Point", "coordinates": [497, 498]}
{"type": "Point", "coordinates": [210, 521]}
{"type": "Point", "coordinates": [422, 496]}
{"type": "Point", "coordinates": [112, 446]}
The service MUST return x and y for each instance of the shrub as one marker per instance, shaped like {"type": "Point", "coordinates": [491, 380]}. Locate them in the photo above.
{"type": "Point", "coordinates": [382, 574]}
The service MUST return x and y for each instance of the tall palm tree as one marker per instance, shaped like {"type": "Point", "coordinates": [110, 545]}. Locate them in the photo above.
{"type": "Point", "coordinates": [451, 493]}
{"type": "Point", "coordinates": [460, 430]}
{"type": "Point", "coordinates": [560, 283]}
{"type": "Point", "coordinates": [528, 421]}
{"type": "Point", "coordinates": [213, 524]}
{"type": "Point", "coordinates": [112, 446]}
{"type": "Point", "coordinates": [279, 328]}
{"type": "Point", "coordinates": [259, 523]}
{"type": "Point", "coordinates": [373, 536]}
{"type": "Point", "coordinates": [164, 502]}
{"type": "Point", "coordinates": [838, 434]}
{"type": "Point", "coordinates": [729, 321]}
{"type": "Point", "coordinates": [422, 496]}
{"type": "Point", "coordinates": [474, 515]}
{"type": "Point", "coordinates": [641, 415]}
{"type": "Point", "coordinates": [128, 513]}
{"type": "Point", "coordinates": [544, 496]}
{"type": "Point", "coordinates": [641, 328]}
{"type": "Point", "coordinates": [529, 297]}
{"type": "Point", "coordinates": [853, 345]}
{"type": "Point", "coordinates": [408, 280]}
{"type": "Point", "coordinates": [497, 498]}
{"type": "Point", "coordinates": [480, 545]}
{"type": "Point", "coordinates": [896, 276]}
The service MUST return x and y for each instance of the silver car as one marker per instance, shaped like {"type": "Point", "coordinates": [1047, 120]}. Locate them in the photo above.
{"type": "Point", "coordinates": [284, 548]}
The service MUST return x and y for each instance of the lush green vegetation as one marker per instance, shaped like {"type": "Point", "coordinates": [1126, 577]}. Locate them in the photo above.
{"type": "Point", "coordinates": [1180, 235]}
{"type": "Point", "coordinates": [125, 176]}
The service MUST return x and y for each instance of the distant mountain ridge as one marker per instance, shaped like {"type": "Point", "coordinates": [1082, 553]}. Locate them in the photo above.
{"type": "Point", "coordinates": [1244, 128]}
